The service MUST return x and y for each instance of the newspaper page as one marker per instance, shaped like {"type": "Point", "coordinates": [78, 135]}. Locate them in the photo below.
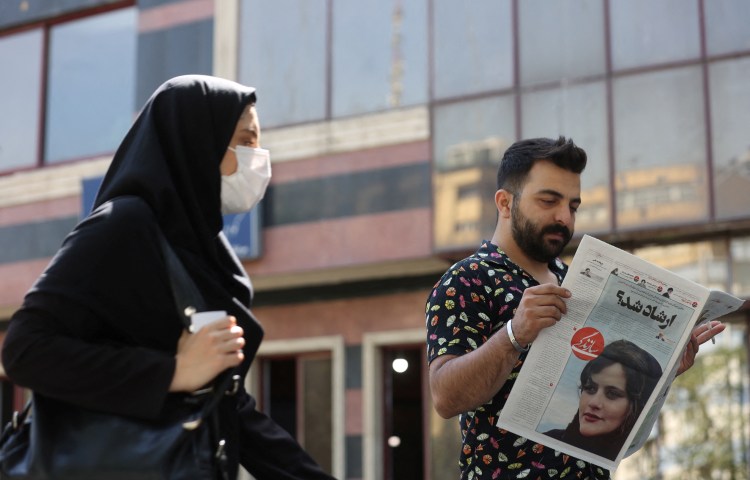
{"type": "Point", "coordinates": [627, 324]}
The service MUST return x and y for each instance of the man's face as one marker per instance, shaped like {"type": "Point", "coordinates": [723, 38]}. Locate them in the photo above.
{"type": "Point", "coordinates": [543, 215]}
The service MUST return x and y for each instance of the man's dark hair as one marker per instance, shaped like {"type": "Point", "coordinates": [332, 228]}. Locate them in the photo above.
{"type": "Point", "coordinates": [521, 156]}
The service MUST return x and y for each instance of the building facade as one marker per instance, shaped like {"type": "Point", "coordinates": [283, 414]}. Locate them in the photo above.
{"type": "Point", "coordinates": [386, 122]}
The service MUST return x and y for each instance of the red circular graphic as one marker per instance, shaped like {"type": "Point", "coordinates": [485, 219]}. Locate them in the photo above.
{"type": "Point", "coordinates": [587, 343]}
{"type": "Point", "coordinates": [636, 278]}
{"type": "Point", "coordinates": [659, 288]}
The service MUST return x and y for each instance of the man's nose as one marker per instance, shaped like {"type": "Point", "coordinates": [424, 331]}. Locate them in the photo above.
{"type": "Point", "coordinates": [563, 215]}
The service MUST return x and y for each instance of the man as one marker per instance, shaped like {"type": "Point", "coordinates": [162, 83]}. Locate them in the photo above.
{"type": "Point", "coordinates": [487, 309]}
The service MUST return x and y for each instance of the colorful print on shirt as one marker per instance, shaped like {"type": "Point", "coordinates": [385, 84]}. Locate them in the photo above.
{"type": "Point", "coordinates": [473, 300]}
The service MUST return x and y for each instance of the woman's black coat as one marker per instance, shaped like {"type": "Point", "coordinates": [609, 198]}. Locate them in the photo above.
{"type": "Point", "coordinates": [99, 328]}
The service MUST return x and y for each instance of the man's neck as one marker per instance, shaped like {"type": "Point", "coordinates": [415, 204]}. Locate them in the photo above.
{"type": "Point", "coordinates": [539, 270]}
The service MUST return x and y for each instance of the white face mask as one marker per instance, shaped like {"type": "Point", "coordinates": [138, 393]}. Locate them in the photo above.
{"type": "Point", "coordinates": [243, 189]}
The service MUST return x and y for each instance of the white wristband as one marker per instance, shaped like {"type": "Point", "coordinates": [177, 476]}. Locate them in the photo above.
{"type": "Point", "coordinates": [513, 340]}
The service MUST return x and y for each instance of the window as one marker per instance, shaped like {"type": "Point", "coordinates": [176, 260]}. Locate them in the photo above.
{"type": "Point", "coordinates": [560, 40]}
{"type": "Point", "coordinates": [726, 26]}
{"type": "Point", "coordinates": [577, 112]}
{"type": "Point", "coordinates": [469, 139]}
{"type": "Point", "coordinates": [296, 392]}
{"type": "Point", "coordinates": [647, 33]}
{"type": "Point", "coordinates": [282, 52]}
{"type": "Point", "coordinates": [20, 86]}
{"type": "Point", "coordinates": [730, 116]}
{"type": "Point", "coordinates": [660, 148]}
{"type": "Point", "coordinates": [473, 47]}
{"type": "Point", "coordinates": [91, 85]}
{"type": "Point", "coordinates": [380, 63]}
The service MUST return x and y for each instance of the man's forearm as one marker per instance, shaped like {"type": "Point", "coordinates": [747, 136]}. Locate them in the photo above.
{"type": "Point", "coordinates": [462, 383]}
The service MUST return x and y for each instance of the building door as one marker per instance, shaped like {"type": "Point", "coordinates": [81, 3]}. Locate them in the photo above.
{"type": "Point", "coordinates": [404, 413]}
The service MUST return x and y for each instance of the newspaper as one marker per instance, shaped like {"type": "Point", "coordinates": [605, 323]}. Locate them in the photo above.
{"type": "Point", "coordinates": [615, 296]}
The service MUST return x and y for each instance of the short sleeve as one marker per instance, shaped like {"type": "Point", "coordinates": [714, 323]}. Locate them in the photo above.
{"type": "Point", "coordinates": [458, 311]}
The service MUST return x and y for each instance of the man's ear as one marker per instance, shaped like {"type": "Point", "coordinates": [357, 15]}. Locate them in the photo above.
{"type": "Point", "coordinates": [503, 202]}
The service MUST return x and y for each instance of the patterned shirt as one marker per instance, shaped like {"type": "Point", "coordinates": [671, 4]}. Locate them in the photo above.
{"type": "Point", "coordinates": [473, 300]}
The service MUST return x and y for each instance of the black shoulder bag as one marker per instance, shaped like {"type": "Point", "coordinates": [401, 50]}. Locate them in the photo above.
{"type": "Point", "coordinates": [55, 440]}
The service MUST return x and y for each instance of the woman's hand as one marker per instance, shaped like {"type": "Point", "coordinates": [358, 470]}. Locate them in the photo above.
{"type": "Point", "coordinates": [201, 356]}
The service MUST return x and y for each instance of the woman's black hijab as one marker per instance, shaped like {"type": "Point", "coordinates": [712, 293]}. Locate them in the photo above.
{"type": "Point", "coordinates": [171, 156]}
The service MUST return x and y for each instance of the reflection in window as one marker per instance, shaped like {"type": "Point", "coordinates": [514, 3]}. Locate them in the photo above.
{"type": "Point", "coordinates": [726, 26]}
{"type": "Point", "coordinates": [577, 112]}
{"type": "Point", "coordinates": [469, 141]}
{"type": "Point", "coordinates": [92, 80]}
{"type": "Point", "coordinates": [660, 153]}
{"type": "Point", "coordinates": [473, 46]}
{"type": "Point", "coordinates": [741, 266]}
{"type": "Point", "coordinates": [730, 117]}
{"type": "Point", "coordinates": [639, 36]}
{"type": "Point", "coordinates": [560, 40]}
{"type": "Point", "coordinates": [705, 263]}
{"type": "Point", "coordinates": [20, 84]}
{"type": "Point", "coordinates": [382, 62]}
{"type": "Point", "coordinates": [282, 52]}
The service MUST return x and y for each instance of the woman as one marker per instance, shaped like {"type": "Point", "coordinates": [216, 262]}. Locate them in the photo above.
{"type": "Point", "coordinates": [614, 388]}
{"type": "Point", "coordinates": [99, 329]}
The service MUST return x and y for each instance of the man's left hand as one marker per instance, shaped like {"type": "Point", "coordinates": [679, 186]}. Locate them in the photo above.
{"type": "Point", "coordinates": [700, 335]}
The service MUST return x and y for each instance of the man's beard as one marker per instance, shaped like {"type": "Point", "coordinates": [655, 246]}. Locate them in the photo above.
{"type": "Point", "coordinates": [530, 238]}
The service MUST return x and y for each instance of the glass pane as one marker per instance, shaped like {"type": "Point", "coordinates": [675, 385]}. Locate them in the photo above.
{"type": "Point", "coordinates": [645, 32]}
{"type": "Point", "coordinates": [726, 26]}
{"type": "Point", "coordinates": [660, 148]}
{"type": "Point", "coordinates": [279, 392]}
{"type": "Point", "coordinates": [403, 427]}
{"type": "Point", "coordinates": [730, 121]}
{"type": "Point", "coordinates": [318, 413]}
{"type": "Point", "coordinates": [561, 40]}
{"type": "Point", "coordinates": [20, 86]}
{"type": "Point", "coordinates": [282, 52]}
{"type": "Point", "coordinates": [741, 266]}
{"type": "Point", "coordinates": [469, 141]}
{"type": "Point", "coordinates": [91, 79]}
{"type": "Point", "coordinates": [473, 46]}
{"type": "Point", "coordinates": [577, 112]}
{"type": "Point", "coordinates": [382, 62]}
{"type": "Point", "coordinates": [705, 263]}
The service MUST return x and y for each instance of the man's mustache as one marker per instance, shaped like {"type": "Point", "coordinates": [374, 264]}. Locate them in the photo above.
{"type": "Point", "coordinates": [557, 228]}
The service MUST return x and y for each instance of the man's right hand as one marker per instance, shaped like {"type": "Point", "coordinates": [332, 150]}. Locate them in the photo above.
{"type": "Point", "coordinates": [541, 306]}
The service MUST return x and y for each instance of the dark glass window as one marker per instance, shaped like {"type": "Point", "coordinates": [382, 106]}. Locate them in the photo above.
{"type": "Point", "coordinates": [20, 88]}
{"type": "Point", "coordinates": [91, 85]}
{"type": "Point", "coordinates": [296, 394]}
{"type": "Point", "coordinates": [282, 52]}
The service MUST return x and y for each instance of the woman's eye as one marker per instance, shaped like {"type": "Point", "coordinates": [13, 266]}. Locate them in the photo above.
{"type": "Point", "coordinates": [615, 394]}
{"type": "Point", "coordinates": [590, 389]}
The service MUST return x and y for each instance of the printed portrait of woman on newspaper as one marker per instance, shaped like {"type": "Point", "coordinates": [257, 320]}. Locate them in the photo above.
{"type": "Point", "coordinates": [614, 387]}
